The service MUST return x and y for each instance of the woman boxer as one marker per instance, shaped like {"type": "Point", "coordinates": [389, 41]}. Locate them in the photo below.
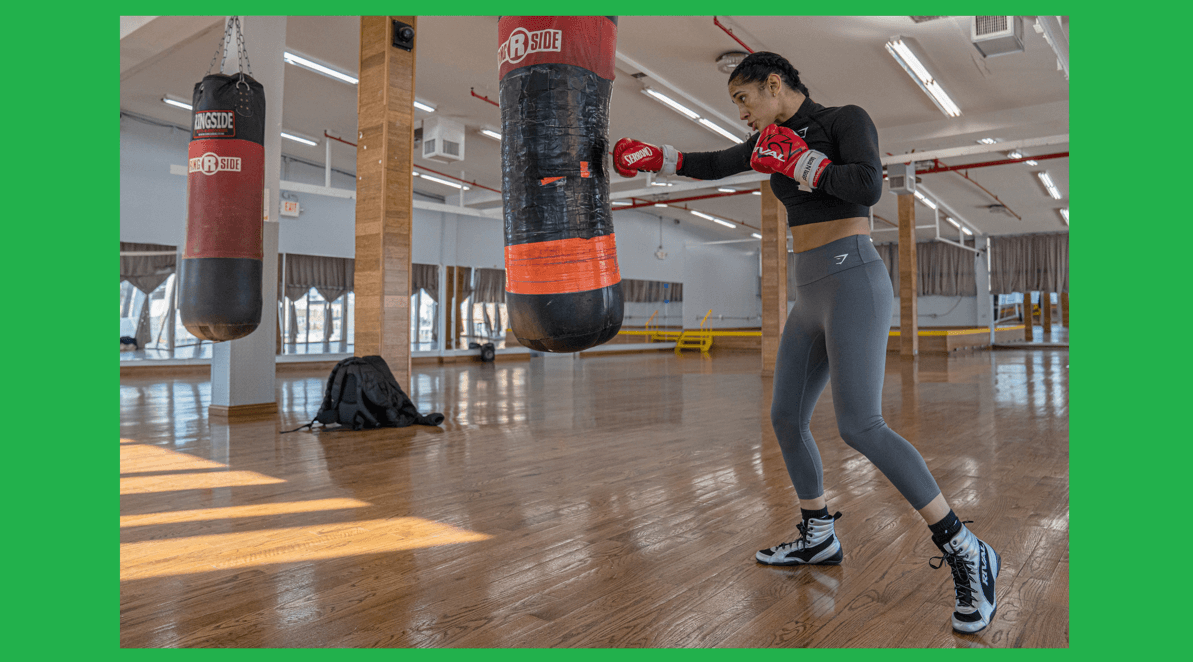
{"type": "Point", "coordinates": [824, 166]}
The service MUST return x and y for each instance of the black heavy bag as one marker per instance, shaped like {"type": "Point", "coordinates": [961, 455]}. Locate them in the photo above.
{"type": "Point", "coordinates": [563, 288]}
{"type": "Point", "coordinates": [220, 298]}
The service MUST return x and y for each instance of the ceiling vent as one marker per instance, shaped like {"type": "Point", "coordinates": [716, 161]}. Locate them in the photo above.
{"type": "Point", "coordinates": [997, 35]}
{"type": "Point", "coordinates": [729, 61]}
{"type": "Point", "coordinates": [442, 140]}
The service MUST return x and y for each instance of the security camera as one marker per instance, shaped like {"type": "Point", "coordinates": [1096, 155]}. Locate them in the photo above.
{"type": "Point", "coordinates": [403, 35]}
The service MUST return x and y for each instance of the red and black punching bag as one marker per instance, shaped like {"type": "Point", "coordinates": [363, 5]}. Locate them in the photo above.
{"type": "Point", "coordinates": [563, 288]}
{"type": "Point", "coordinates": [220, 294]}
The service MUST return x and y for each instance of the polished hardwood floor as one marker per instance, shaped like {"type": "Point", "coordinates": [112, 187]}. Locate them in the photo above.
{"type": "Point", "coordinates": [603, 502]}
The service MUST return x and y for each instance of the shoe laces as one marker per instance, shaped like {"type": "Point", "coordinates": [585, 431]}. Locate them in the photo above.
{"type": "Point", "coordinates": [963, 566]}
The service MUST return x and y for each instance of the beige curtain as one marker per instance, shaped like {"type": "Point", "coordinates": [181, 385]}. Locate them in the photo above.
{"type": "Point", "coordinates": [330, 276]}
{"type": "Point", "coordinates": [490, 286]}
{"type": "Point", "coordinates": [1031, 262]}
{"type": "Point", "coordinates": [650, 291]}
{"type": "Point", "coordinates": [426, 277]}
{"type": "Point", "coordinates": [941, 269]}
{"type": "Point", "coordinates": [146, 272]}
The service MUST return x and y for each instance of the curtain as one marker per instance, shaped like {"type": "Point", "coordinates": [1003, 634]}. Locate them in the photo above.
{"type": "Point", "coordinates": [1032, 262]}
{"type": "Point", "coordinates": [650, 291]}
{"type": "Point", "coordinates": [426, 276]}
{"type": "Point", "coordinates": [330, 276]}
{"type": "Point", "coordinates": [941, 269]}
{"type": "Point", "coordinates": [146, 272]}
{"type": "Point", "coordinates": [490, 286]}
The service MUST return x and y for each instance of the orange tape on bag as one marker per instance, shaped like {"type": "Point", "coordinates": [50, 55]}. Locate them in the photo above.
{"type": "Point", "coordinates": [561, 266]}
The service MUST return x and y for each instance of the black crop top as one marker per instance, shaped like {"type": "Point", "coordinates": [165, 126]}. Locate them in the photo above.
{"type": "Point", "coordinates": [848, 187]}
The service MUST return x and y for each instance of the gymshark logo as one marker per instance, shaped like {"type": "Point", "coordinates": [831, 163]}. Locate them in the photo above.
{"type": "Point", "coordinates": [841, 258]}
{"type": "Point", "coordinates": [802, 133]}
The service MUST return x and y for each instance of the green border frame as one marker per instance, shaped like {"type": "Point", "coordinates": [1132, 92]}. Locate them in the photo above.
{"type": "Point", "coordinates": [1129, 61]}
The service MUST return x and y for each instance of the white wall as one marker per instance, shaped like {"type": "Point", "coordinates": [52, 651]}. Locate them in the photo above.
{"type": "Point", "coordinates": [724, 277]}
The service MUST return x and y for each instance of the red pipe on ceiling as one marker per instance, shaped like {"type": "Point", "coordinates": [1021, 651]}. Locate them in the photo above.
{"type": "Point", "coordinates": [986, 164]}
{"type": "Point", "coordinates": [328, 135]}
{"type": "Point", "coordinates": [695, 197]}
{"type": "Point", "coordinates": [473, 91]}
{"type": "Point", "coordinates": [730, 33]}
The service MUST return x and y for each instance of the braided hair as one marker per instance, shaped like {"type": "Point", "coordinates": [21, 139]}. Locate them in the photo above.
{"type": "Point", "coordinates": [757, 66]}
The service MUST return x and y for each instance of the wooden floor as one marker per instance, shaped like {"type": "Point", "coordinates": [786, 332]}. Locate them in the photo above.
{"type": "Point", "coordinates": [604, 502]}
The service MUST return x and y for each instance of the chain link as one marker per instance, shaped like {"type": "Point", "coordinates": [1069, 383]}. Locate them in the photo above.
{"type": "Point", "coordinates": [242, 52]}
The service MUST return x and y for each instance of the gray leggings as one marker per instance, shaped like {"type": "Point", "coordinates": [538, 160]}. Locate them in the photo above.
{"type": "Point", "coordinates": [839, 328]}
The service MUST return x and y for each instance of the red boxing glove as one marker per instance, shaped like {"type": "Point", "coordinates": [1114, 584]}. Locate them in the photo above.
{"type": "Point", "coordinates": [780, 150]}
{"type": "Point", "coordinates": [630, 156]}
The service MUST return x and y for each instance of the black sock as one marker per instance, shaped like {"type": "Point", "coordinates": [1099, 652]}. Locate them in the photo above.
{"type": "Point", "coordinates": [944, 530]}
{"type": "Point", "coordinates": [818, 514]}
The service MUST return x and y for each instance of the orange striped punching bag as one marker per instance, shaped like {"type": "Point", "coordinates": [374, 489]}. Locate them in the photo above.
{"type": "Point", "coordinates": [563, 288]}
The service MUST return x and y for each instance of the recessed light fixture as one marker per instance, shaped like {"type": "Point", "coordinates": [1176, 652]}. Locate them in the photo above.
{"type": "Point", "coordinates": [1047, 181]}
{"type": "Point", "coordinates": [987, 141]}
{"type": "Point", "coordinates": [175, 101]}
{"type": "Point", "coordinates": [311, 65]}
{"type": "Point", "coordinates": [690, 114]}
{"type": "Point", "coordinates": [299, 138]}
{"type": "Point", "coordinates": [714, 219]}
{"type": "Point", "coordinates": [444, 182]}
{"type": "Point", "coordinates": [919, 73]}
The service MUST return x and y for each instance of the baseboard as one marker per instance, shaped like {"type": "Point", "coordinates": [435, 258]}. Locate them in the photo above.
{"type": "Point", "coordinates": [243, 412]}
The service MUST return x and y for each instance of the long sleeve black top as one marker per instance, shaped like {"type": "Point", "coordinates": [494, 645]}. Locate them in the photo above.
{"type": "Point", "coordinates": [848, 187]}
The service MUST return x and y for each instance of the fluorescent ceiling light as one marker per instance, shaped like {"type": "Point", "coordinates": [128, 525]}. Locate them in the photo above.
{"type": "Point", "coordinates": [415, 173]}
{"type": "Point", "coordinates": [716, 128]}
{"type": "Point", "coordinates": [1047, 181]}
{"type": "Point", "coordinates": [924, 200]}
{"type": "Point", "coordinates": [291, 58]}
{"type": "Point", "coordinates": [755, 235]}
{"type": "Point", "coordinates": [966, 231]}
{"type": "Point", "coordinates": [661, 184]}
{"type": "Point", "coordinates": [424, 106]}
{"type": "Point", "coordinates": [675, 105]}
{"type": "Point", "coordinates": [1064, 212]}
{"type": "Point", "coordinates": [911, 64]}
{"type": "Point", "coordinates": [954, 223]}
{"type": "Point", "coordinates": [660, 204]}
{"type": "Point", "coordinates": [714, 219]}
{"type": "Point", "coordinates": [444, 182]}
{"type": "Point", "coordinates": [175, 101]}
{"type": "Point", "coordinates": [756, 192]}
{"type": "Point", "coordinates": [622, 203]}
{"type": "Point", "coordinates": [987, 141]}
{"type": "Point", "coordinates": [1030, 162]}
{"type": "Point", "coordinates": [727, 190]}
{"type": "Point", "coordinates": [298, 138]}
{"type": "Point", "coordinates": [491, 133]}
{"type": "Point", "coordinates": [1015, 155]}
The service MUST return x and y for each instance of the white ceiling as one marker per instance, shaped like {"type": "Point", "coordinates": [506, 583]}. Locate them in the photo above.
{"type": "Point", "coordinates": [841, 59]}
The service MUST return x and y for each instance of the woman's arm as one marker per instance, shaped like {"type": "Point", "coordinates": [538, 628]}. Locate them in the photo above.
{"type": "Point", "coordinates": [717, 165]}
{"type": "Point", "coordinates": [856, 175]}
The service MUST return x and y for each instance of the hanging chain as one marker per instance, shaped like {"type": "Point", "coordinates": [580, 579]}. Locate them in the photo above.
{"type": "Point", "coordinates": [242, 53]}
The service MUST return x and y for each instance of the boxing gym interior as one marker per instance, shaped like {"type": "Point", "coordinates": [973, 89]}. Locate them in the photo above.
{"type": "Point", "coordinates": [299, 191]}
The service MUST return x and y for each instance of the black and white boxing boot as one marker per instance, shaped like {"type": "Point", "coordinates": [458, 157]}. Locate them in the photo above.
{"type": "Point", "coordinates": [975, 566]}
{"type": "Point", "coordinates": [817, 545]}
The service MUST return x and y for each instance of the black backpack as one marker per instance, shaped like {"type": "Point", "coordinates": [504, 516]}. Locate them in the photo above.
{"type": "Point", "coordinates": [362, 393]}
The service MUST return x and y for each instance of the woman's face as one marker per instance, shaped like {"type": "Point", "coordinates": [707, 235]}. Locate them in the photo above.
{"type": "Point", "coordinates": [757, 104]}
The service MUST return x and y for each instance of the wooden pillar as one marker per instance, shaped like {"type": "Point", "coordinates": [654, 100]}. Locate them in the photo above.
{"type": "Point", "coordinates": [1064, 309]}
{"type": "Point", "coordinates": [774, 277]}
{"type": "Point", "coordinates": [1046, 310]}
{"type": "Point", "coordinates": [1029, 318]}
{"type": "Point", "coordinates": [909, 323]}
{"type": "Point", "coordinates": [384, 210]}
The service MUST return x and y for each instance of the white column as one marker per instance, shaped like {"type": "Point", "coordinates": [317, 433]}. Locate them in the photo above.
{"type": "Point", "coordinates": [243, 370]}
